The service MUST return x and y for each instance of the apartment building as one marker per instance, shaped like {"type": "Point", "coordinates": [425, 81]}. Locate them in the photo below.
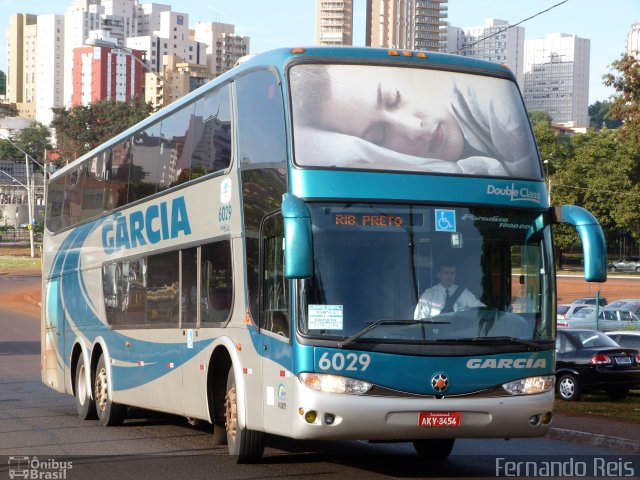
{"type": "Point", "coordinates": [224, 48]}
{"type": "Point", "coordinates": [633, 41]}
{"type": "Point", "coordinates": [407, 24]}
{"type": "Point", "coordinates": [556, 77]}
{"type": "Point", "coordinates": [101, 72]}
{"type": "Point", "coordinates": [495, 41]}
{"type": "Point", "coordinates": [334, 22]}
{"type": "Point", "coordinates": [49, 91]}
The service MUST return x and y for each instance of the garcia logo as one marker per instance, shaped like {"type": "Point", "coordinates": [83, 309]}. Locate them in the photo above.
{"type": "Point", "coordinates": [155, 223]}
{"type": "Point", "coordinates": [507, 363]}
{"type": "Point", "coordinates": [515, 194]}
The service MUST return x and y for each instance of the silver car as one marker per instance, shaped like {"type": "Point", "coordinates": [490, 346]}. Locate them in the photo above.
{"type": "Point", "coordinates": [626, 264]}
{"type": "Point", "coordinates": [609, 319]}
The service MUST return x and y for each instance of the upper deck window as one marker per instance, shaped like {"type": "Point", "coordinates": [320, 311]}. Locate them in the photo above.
{"type": "Point", "coordinates": [410, 119]}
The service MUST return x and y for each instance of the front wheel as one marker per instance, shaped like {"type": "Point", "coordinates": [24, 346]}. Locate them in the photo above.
{"type": "Point", "coordinates": [434, 449]}
{"type": "Point", "coordinates": [568, 387]}
{"type": "Point", "coordinates": [613, 269]}
{"type": "Point", "coordinates": [245, 446]}
{"type": "Point", "coordinates": [109, 413]}
{"type": "Point", "coordinates": [84, 403]}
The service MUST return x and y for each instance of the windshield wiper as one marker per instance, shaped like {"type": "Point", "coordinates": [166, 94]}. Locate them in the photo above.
{"type": "Point", "coordinates": [368, 328]}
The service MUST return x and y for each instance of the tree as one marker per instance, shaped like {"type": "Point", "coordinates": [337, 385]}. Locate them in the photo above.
{"type": "Point", "coordinates": [626, 104]}
{"type": "Point", "coordinates": [8, 151]}
{"type": "Point", "coordinates": [34, 140]}
{"type": "Point", "coordinates": [82, 128]}
{"type": "Point", "coordinates": [3, 83]}
{"type": "Point", "coordinates": [599, 116]}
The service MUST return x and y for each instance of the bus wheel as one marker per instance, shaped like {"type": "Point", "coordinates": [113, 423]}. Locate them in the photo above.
{"type": "Point", "coordinates": [84, 403]}
{"type": "Point", "coordinates": [434, 449]}
{"type": "Point", "coordinates": [245, 446]}
{"type": "Point", "coordinates": [109, 413]}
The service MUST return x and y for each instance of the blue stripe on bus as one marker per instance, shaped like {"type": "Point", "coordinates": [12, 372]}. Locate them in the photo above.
{"type": "Point", "coordinates": [73, 293]}
{"type": "Point", "coordinates": [343, 184]}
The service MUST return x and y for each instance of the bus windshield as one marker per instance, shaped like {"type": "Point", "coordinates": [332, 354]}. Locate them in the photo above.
{"type": "Point", "coordinates": [396, 264]}
{"type": "Point", "coordinates": [410, 119]}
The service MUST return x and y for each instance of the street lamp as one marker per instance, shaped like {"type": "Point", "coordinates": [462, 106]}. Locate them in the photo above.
{"type": "Point", "coordinates": [29, 208]}
{"type": "Point", "coordinates": [99, 42]}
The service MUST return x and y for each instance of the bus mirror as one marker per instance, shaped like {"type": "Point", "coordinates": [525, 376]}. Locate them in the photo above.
{"type": "Point", "coordinates": [593, 243]}
{"type": "Point", "coordinates": [298, 250]}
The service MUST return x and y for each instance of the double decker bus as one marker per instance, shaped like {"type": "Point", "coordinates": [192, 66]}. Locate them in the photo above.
{"type": "Point", "coordinates": [259, 255]}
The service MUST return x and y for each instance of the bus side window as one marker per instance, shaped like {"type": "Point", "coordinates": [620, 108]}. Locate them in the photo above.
{"type": "Point", "coordinates": [275, 287]}
{"type": "Point", "coordinates": [216, 288]}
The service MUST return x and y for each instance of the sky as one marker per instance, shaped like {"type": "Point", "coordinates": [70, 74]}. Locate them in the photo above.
{"type": "Point", "coordinates": [285, 23]}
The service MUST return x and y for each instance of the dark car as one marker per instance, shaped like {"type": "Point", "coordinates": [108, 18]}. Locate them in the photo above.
{"type": "Point", "coordinates": [626, 264]}
{"type": "Point", "coordinates": [589, 360]}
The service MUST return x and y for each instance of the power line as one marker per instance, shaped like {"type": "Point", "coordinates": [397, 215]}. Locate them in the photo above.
{"type": "Point", "coordinates": [467, 45]}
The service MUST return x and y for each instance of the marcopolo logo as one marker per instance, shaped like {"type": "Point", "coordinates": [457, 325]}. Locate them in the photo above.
{"type": "Point", "coordinates": [157, 222]}
{"type": "Point", "coordinates": [515, 194]}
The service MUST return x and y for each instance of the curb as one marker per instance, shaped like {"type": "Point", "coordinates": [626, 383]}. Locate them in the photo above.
{"type": "Point", "coordinates": [618, 443]}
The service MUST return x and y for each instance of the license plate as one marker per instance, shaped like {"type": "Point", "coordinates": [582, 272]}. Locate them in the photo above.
{"type": "Point", "coordinates": [623, 360]}
{"type": "Point", "coordinates": [439, 419]}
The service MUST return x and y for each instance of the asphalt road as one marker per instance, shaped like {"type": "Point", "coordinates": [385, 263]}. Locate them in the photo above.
{"type": "Point", "coordinates": [38, 423]}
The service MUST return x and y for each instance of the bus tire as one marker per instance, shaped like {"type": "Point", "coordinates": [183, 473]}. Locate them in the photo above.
{"type": "Point", "coordinates": [434, 448]}
{"type": "Point", "coordinates": [85, 405]}
{"type": "Point", "coordinates": [109, 413]}
{"type": "Point", "coordinates": [244, 446]}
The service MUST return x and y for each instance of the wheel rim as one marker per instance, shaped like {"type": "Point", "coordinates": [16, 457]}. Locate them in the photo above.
{"type": "Point", "coordinates": [231, 415]}
{"type": "Point", "coordinates": [81, 386]}
{"type": "Point", "coordinates": [567, 388]}
{"type": "Point", "coordinates": [102, 391]}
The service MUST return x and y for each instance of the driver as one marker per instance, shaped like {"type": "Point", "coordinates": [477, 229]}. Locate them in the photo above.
{"type": "Point", "coordinates": [446, 296]}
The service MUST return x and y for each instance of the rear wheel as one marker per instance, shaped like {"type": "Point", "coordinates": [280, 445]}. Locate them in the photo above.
{"type": "Point", "coordinates": [245, 446]}
{"type": "Point", "coordinates": [109, 413]}
{"type": "Point", "coordinates": [568, 387]}
{"type": "Point", "coordinates": [612, 268]}
{"type": "Point", "coordinates": [434, 449]}
{"type": "Point", "coordinates": [84, 403]}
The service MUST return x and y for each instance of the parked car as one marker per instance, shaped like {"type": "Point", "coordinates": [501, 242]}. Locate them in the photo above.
{"type": "Point", "coordinates": [608, 319]}
{"type": "Point", "coordinates": [589, 301]}
{"type": "Point", "coordinates": [565, 310]}
{"type": "Point", "coordinates": [626, 338]}
{"type": "Point", "coordinates": [589, 360]}
{"type": "Point", "coordinates": [622, 302]}
{"type": "Point", "coordinates": [626, 264]}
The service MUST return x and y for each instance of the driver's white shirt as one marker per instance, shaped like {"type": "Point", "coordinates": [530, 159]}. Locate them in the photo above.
{"type": "Point", "coordinates": [432, 301]}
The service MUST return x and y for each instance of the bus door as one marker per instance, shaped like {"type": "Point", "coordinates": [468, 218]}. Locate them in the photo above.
{"type": "Point", "coordinates": [52, 349]}
{"type": "Point", "coordinates": [275, 328]}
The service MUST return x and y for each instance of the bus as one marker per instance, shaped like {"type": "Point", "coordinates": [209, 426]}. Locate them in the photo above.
{"type": "Point", "coordinates": [259, 255]}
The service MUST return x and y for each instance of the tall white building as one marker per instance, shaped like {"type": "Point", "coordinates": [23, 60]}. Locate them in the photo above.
{"type": "Point", "coordinates": [334, 22]}
{"type": "Point", "coordinates": [494, 41]}
{"type": "Point", "coordinates": [50, 71]}
{"type": "Point", "coordinates": [556, 77]}
{"type": "Point", "coordinates": [224, 47]}
{"type": "Point", "coordinates": [633, 41]}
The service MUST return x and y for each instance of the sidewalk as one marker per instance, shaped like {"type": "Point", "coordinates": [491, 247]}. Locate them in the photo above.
{"type": "Point", "coordinates": [597, 431]}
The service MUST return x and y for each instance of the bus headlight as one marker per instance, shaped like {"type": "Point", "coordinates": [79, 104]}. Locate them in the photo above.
{"type": "Point", "coordinates": [334, 383]}
{"type": "Point", "coordinates": [530, 385]}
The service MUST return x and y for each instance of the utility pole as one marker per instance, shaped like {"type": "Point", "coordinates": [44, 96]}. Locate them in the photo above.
{"type": "Point", "coordinates": [30, 206]}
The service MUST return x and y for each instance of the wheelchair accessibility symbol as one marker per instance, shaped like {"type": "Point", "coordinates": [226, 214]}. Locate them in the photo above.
{"type": "Point", "coordinates": [445, 220]}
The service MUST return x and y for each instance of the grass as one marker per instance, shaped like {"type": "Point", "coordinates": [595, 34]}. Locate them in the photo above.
{"type": "Point", "coordinates": [599, 404]}
{"type": "Point", "coordinates": [8, 262]}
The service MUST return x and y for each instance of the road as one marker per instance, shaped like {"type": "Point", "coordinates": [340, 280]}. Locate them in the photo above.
{"type": "Point", "coordinates": [38, 422]}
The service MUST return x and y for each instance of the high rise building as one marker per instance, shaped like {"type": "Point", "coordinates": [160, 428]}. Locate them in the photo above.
{"type": "Point", "coordinates": [409, 24]}
{"type": "Point", "coordinates": [495, 41]}
{"type": "Point", "coordinates": [50, 68]}
{"type": "Point", "coordinates": [20, 55]}
{"type": "Point", "coordinates": [633, 41]}
{"type": "Point", "coordinates": [101, 72]}
{"type": "Point", "coordinates": [224, 47]}
{"type": "Point", "coordinates": [334, 22]}
{"type": "Point", "coordinates": [556, 77]}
